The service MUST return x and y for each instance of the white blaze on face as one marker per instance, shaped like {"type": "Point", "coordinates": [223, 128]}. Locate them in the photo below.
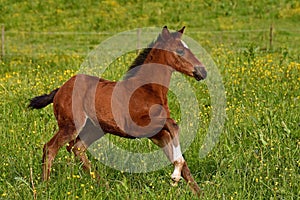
{"type": "Point", "coordinates": [184, 44]}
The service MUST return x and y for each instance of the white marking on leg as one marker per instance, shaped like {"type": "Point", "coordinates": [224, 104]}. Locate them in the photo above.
{"type": "Point", "coordinates": [178, 161]}
{"type": "Point", "coordinates": [184, 44]}
{"type": "Point", "coordinates": [176, 153]}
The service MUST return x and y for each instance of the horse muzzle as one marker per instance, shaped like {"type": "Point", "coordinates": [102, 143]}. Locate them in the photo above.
{"type": "Point", "coordinates": [199, 73]}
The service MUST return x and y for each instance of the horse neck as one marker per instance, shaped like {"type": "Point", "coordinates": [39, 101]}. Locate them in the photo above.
{"type": "Point", "coordinates": [156, 74]}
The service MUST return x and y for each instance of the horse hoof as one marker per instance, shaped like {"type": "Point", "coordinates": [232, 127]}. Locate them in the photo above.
{"type": "Point", "coordinates": [175, 178]}
{"type": "Point", "coordinates": [174, 184]}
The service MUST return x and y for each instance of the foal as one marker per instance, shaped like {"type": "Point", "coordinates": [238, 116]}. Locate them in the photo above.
{"type": "Point", "coordinates": [87, 107]}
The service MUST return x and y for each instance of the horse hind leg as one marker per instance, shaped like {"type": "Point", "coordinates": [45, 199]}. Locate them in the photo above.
{"type": "Point", "coordinates": [51, 148]}
{"type": "Point", "coordinates": [89, 134]}
{"type": "Point", "coordinates": [79, 150]}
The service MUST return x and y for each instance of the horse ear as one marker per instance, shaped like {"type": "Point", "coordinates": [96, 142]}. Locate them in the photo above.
{"type": "Point", "coordinates": [181, 30]}
{"type": "Point", "coordinates": [165, 34]}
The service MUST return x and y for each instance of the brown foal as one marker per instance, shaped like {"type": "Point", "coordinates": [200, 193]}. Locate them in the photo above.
{"type": "Point", "coordinates": [87, 107]}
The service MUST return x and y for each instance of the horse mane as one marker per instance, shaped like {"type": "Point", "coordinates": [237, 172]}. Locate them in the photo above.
{"type": "Point", "coordinates": [139, 60]}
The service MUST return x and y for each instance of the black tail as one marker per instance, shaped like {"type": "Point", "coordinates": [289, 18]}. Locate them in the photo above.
{"type": "Point", "coordinates": [43, 100]}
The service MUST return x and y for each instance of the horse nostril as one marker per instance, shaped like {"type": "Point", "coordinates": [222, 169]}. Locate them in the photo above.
{"type": "Point", "coordinates": [200, 72]}
{"type": "Point", "coordinates": [203, 72]}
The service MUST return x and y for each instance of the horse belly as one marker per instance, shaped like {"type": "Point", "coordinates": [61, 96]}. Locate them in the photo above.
{"type": "Point", "coordinates": [104, 111]}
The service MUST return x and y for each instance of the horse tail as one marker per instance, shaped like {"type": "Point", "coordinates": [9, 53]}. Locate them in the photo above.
{"type": "Point", "coordinates": [43, 100]}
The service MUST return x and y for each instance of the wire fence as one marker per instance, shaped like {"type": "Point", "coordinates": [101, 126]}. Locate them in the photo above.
{"type": "Point", "coordinates": [23, 43]}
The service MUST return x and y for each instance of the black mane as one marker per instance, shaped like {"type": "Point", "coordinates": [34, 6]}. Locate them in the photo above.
{"type": "Point", "coordinates": [139, 60]}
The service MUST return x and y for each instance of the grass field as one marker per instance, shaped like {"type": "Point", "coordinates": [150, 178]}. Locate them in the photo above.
{"type": "Point", "coordinates": [258, 153]}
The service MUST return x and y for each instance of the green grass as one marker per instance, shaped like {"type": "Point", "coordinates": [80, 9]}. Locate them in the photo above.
{"type": "Point", "coordinates": [257, 156]}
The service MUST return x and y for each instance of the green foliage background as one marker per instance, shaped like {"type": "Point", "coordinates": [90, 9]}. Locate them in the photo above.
{"type": "Point", "coordinates": [257, 156]}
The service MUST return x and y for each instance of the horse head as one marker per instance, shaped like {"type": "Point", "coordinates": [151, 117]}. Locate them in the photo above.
{"type": "Point", "coordinates": [175, 53]}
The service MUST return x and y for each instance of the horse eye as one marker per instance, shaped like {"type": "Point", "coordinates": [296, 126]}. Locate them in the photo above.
{"type": "Point", "coordinates": [180, 52]}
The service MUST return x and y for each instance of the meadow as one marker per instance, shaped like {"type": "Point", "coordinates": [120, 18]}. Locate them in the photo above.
{"type": "Point", "coordinates": [258, 152]}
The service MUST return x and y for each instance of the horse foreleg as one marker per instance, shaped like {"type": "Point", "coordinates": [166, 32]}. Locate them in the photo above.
{"type": "Point", "coordinates": [181, 169]}
{"type": "Point", "coordinates": [172, 150]}
{"type": "Point", "coordinates": [168, 140]}
{"type": "Point", "coordinates": [176, 175]}
{"type": "Point", "coordinates": [186, 174]}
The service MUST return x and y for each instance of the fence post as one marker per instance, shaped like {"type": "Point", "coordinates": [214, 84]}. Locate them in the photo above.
{"type": "Point", "coordinates": [271, 37]}
{"type": "Point", "coordinates": [138, 44]}
{"type": "Point", "coordinates": [2, 41]}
